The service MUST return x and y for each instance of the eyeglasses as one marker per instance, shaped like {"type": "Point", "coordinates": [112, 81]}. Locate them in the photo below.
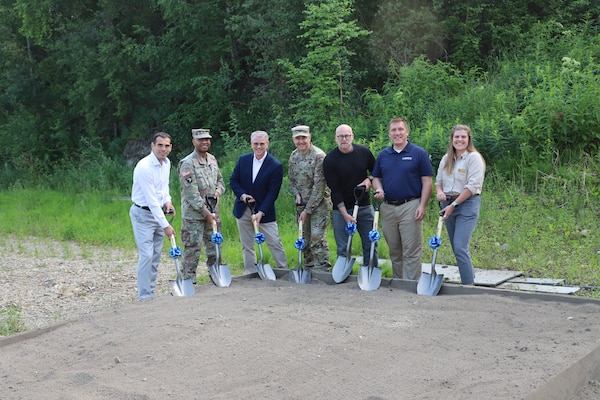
{"type": "Point", "coordinates": [259, 144]}
{"type": "Point", "coordinates": [343, 137]}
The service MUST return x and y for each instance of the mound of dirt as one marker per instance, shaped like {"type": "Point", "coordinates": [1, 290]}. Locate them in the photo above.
{"type": "Point", "coordinates": [277, 340]}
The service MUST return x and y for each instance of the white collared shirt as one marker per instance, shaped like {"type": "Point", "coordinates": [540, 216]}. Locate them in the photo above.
{"type": "Point", "coordinates": [151, 186]}
{"type": "Point", "coordinates": [256, 164]}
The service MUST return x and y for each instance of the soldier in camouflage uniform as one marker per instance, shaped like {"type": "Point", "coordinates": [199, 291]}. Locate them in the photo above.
{"type": "Point", "coordinates": [308, 186]}
{"type": "Point", "coordinates": [199, 176]}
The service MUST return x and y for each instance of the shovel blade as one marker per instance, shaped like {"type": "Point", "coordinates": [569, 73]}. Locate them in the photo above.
{"type": "Point", "coordinates": [305, 276]}
{"type": "Point", "coordinates": [182, 287]}
{"type": "Point", "coordinates": [369, 278]}
{"type": "Point", "coordinates": [295, 276]}
{"type": "Point", "coordinates": [342, 268]}
{"type": "Point", "coordinates": [429, 284]}
{"type": "Point", "coordinates": [300, 275]}
{"type": "Point", "coordinates": [220, 275]}
{"type": "Point", "coordinates": [265, 272]}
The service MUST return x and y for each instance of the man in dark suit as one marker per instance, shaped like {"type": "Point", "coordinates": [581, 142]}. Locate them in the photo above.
{"type": "Point", "coordinates": [257, 179]}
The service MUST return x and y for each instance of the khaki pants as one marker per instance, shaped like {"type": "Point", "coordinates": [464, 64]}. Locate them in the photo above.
{"type": "Point", "coordinates": [272, 240]}
{"type": "Point", "coordinates": [403, 235]}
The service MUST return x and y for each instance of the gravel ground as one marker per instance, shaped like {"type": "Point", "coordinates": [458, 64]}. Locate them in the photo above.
{"type": "Point", "coordinates": [56, 281]}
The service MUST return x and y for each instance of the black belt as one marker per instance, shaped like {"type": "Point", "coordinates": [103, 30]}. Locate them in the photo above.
{"type": "Point", "coordinates": [142, 207]}
{"type": "Point", "coordinates": [403, 201]}
{"type": "Point", "coordinates": [452, 198]}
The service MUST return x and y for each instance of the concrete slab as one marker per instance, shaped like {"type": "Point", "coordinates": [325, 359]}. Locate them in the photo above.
{"type": "Point", "coordinates": [483, 277]}
{"type": "Point", "coordinates": [538, 281]}
{"type": "Point", "coordinates": [539, 288]}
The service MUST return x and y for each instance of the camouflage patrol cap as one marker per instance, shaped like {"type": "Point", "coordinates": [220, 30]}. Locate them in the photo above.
{"type": "Point", "coordinates": [300, 130]}
{"type": "Point", "coordinates": [201, 134]}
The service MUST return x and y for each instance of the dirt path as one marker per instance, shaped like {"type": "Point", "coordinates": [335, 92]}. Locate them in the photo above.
{"type": "Point", "coordinates": [276, 340]}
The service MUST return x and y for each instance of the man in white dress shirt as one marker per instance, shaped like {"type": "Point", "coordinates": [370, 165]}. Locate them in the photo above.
{"type": "Point", "coordinates": [151, 199]}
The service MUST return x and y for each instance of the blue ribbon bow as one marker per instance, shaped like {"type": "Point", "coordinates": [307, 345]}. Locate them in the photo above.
{"type": "Point", "coordinates": [216, 238]}
{"type": "Point", "coordinates": [351, 228]}
{"type": "Point", "coordinates": [374, 236]}
{"type": "Point", "coordinates": [259, 238]}
{"type": "Point", "coordinates": [300, 244]}
{"type": "Point", "coordinates": [175, 252]}
{"type": "Point", "coordinates": [435, 242]}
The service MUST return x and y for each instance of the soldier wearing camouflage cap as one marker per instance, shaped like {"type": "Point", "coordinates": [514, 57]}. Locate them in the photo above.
{"type": "Point", "coordinates": [199, 176]}
{"type": "Point", "coordinates": [307, 184]}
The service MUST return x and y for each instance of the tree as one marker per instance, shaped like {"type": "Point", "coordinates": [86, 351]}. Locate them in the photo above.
{"type": "Point", "coordinates": [323, 76]}
{"type": "Point", "coordinates": [406, 29]}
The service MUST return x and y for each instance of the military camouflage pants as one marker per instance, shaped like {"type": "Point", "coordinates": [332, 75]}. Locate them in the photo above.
{"type": "Point", "coordinates": [194, 233]}
{"type": "Point", "coordinates": [316, 253]}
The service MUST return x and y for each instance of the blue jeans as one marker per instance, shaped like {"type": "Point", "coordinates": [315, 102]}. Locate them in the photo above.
{"type": "Point", "coordinates": [460, 226]}
{"type": "Point", "coordinates": [363, 227]}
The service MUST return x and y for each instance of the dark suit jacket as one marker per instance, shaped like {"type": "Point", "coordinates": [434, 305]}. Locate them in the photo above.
{"type": "Point", "coordinates": [265, 188]}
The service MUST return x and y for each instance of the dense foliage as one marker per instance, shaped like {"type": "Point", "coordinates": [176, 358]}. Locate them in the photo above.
{"type": "Point", "coordinates": [79, 80]}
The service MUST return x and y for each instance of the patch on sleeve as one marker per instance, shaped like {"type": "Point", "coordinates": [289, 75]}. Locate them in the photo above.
{"type": "Point", "coordinates": [185, 172]}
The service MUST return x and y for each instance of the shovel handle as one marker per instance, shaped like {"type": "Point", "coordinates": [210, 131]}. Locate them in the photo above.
{"type": "Point", "coordinates": [300, 229]}
{"type": "Point", "coordinates": [358, 192]}
{"type": "Point", "coordinates": [355, 211]}
{"type": "Point", "coordinates": [173, 244]}
{"type": "Point", "coordinates": [214, 226]}
{"type": "Point", "coordinates": [439, 226]}
{"type": "Point", "coordinates": [376, 220]}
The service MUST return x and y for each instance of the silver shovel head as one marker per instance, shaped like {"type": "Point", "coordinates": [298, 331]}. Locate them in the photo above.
{"type": "Point", "coordinates": [305, 276]}
{"type": "Point", "coordinates": [300, 275]}
{"type": "Point", "coordinates": [369, 278]}
{"type": "Point", "coordinates": [430, 283]}
{"type": "Point", "coordinates": [295, 276]}
{"type": "Point", "coordinates": [265, 272]}
{"type": "Point", "coordinates": [342, 269]}
{"type": "Point", "coordinates": [220, 275]}
{"type": "Point", "coordinates": [179, 286]}
{"type": "Point", "coordinates": [182, 287]}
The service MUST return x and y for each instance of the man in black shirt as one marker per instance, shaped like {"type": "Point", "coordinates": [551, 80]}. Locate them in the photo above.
{"type": "Point", "coordinates": [345, 167]}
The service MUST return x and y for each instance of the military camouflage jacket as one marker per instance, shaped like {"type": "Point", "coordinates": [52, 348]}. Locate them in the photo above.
{"type": "Point", "coordinates": [306, 178]}
{"type": "Point", "coordinates": [198, 177]}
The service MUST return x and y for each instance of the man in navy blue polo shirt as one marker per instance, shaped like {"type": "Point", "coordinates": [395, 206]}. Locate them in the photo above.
{"type": "Point", "coordinates": [402, 177]}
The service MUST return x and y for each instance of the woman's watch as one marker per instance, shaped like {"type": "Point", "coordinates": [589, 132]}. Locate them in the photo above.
{"type": "Point", "coordinates": [455, 204]}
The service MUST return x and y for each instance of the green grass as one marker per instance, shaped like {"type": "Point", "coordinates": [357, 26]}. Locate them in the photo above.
{"type": "Point", "coordinates": [10, 320]}
{"type": "Point", "coordinates": [516, 230]}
